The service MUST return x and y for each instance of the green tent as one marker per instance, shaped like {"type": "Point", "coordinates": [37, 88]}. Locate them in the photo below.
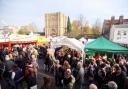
{"type": "Point", "coordinates": [101, 44]}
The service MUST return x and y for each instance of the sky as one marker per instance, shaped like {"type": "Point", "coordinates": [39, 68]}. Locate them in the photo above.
{"type": "Point", "coordinates": [23, 12]}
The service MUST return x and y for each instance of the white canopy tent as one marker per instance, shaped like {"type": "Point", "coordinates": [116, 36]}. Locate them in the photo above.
{"type": "Point", "coordinates": [69, 42]}
{"type": "Point", "coordinates": [85, 41]}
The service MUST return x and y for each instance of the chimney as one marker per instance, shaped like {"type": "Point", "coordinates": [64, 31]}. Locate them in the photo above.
{"type": "Point", "coordinates": [112, 20]}
{"type": "Point", "coordinates": [121, 19]}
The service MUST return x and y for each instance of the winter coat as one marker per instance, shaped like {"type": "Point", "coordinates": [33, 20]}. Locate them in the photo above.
{"type": "Point", "coordinates": [119, 78]}
{"type": "Point", "coordinates": [126, 83]}
{"type": "Point", "coordinates": [69, 82]}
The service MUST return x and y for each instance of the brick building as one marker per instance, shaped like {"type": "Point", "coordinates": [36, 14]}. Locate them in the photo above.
{"type": "Point", "coordinates": [108, 24]}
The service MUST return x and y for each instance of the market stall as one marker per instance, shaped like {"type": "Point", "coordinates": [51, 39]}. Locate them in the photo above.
{"type": "Point", "coordinates": [41, 40]}
{"type": "Point", "coordinates": [101, 44]}
{"type": "Point", "coordinates": [68, 42]}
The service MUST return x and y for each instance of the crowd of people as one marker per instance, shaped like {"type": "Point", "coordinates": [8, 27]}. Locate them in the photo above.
{"type": "Point", "coordinates": [71, 72]}
{"type": "Point", "coordinates": [69, 69]}
{"type": "Point", "coordinates": [18, 66]}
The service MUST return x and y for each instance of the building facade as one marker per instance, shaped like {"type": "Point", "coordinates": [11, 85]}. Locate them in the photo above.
{"type": "Point", "coordinates": [109, 23]}
{"type": "Point", "coordinates": [55, 24]}
{"type": "Point", "coordinates": [119, 33]}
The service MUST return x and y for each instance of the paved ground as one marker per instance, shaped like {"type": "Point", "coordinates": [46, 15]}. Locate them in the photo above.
{"type": "Point", "coordinates": [42, 74]}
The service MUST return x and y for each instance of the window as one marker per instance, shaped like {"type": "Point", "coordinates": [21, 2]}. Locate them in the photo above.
{"type": "Point", "coordinates": [118, 38]}
{"type": "Point", "coordinates": [118, 33]}
{"type": "Point", "coordinates": [125, 33]}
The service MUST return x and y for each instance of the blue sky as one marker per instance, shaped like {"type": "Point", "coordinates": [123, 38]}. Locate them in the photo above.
{"type": "Point", "coordinates": [23, 12]}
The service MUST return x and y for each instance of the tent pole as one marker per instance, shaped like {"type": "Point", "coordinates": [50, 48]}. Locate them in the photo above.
{"type": "Point", "coordinates": [113, 57]}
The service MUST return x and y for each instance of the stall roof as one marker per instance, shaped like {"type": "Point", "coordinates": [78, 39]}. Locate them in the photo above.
{"type": "Point", "coordinates": [104, 45]}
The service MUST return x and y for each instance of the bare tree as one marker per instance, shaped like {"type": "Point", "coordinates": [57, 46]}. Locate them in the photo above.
{"type": "Point", "coordinates": [97, 27]}
{"type": "Point", "coordinates": [83, 22]}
